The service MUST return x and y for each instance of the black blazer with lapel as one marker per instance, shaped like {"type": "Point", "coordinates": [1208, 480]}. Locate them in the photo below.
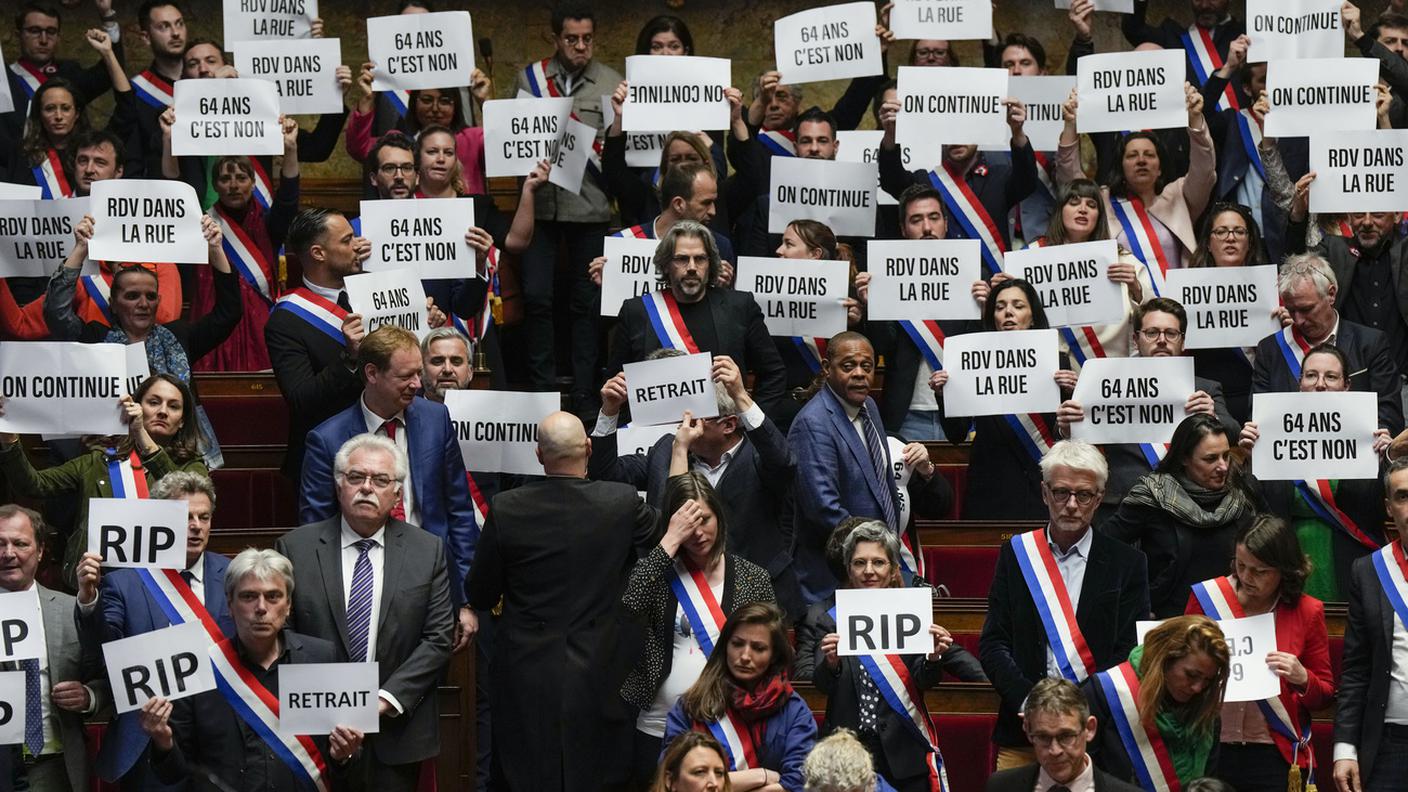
{"type": "Point", "coordinates": [314, 376]}
{"type": "Point", "coordinates": [1364, 676]}
{"type": "Point", "coordinates": [1371, 368]}
{"type": "Point", "coordinates": [1023, 779]}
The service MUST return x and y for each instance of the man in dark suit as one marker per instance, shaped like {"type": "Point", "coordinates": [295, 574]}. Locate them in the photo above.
{"type": "Point", "coordinates": [38, 27]}
{"type": "Point", "coordinates": [1105, 579]}
{"type": "Point", "coordinates": [557, 553]}
{"type": "Point", "coordinates": [1309, 291]}
{"type": "Point", "coordinates": [1371, 720]}
{"type": "Point", "coordinates": [1057, 720]}
{"type": "Point", "coordinates": [435, 494]}
{"type": "Point", "coordinates": [378, 588]}
{"type": "Point", "coordinates": [843, 461]}
{"type": "Point", "coordinates": [721, 321]}
{"type": "Point", "coordinates": [118, 605]}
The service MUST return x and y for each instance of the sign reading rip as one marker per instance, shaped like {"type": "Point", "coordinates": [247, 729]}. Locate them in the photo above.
{"type": "Point", "coordinates": [173, 662]}
{"type": "Point", "coordinates": [138, 532]}
{"type": "Point", "coordinates": [884, 621]}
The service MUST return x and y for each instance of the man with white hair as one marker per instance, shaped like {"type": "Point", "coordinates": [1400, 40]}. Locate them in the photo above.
{"type": "Point", "coordinates": [1308, 290]}
{"type": "Point", "coordinates": [1067, 625]}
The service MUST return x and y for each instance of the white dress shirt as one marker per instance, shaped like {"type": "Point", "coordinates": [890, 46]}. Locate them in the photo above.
{"type": "Point", "coordinates": [1071, 564]}
{"type": "Point", "coordinates": [326, 292]}
{"type": "Point", "coordinates": [349, 563]}
{"type": "Point", "coordinates": [197, 571]}
{"type": "Point", "coordinates": [374, 426]}
{"type": "Point", "coordinates": [1085, 782]}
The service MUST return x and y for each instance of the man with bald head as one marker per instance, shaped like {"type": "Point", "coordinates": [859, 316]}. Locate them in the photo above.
{"type": "Point", "coordinates": [558, 552]}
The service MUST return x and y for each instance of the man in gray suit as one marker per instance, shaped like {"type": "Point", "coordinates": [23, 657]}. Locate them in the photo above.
{"type": "Point", "coordinates": [378, 589]}
{"type": "Point", "coordinates": [70, 686]}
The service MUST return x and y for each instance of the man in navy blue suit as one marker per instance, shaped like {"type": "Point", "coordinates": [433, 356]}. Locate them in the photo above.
{"type": "Point", "coordinates": [436, 493]}
{"type": "Point", "coordinates": [118, 605]}
{"type": "Point", "coordinates": [843, 460]}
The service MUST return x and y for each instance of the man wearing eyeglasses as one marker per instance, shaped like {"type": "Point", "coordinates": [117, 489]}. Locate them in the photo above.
{"type": "Point", "coordinates": [1059, 725]}
{"type": "Point", "coordinates": [37, 26]}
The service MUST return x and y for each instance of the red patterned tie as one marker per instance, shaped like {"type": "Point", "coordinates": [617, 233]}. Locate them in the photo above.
{"type": "Point", "coordinates": [398, 512]}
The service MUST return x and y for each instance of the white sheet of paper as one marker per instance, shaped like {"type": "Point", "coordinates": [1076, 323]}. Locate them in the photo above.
{"type": "Point", "coordinates": [863, 145]}
{"type": "Point", "coordinates": [12, 707]}
{"type": "Point", "coordinates": [676, 92]}
{"type": "Point", "coordinates": [236, 116]}
{"type": "Point", "coordinates": [1002, 372]}
{"type": "Point", "coordinates": [147, 220]}
{"type": "Point", "coordinates": [390, 297]}
{"type": "Point", "coordinates": [955, 20]}
{"type": "Point", "coordinates": [1043, 96]}
{"type": "Point", "coordinates": [1359, 171]}
{"type": "Point", "coordinates": [1117, 6]}
{"type": "Point", "coordinates": [138, 369]}
{"type": "Point", "coordinates": [1132, 400]}
{"type": "Point", "coordinates": [7, 102]}
{"type": "Point", "coordinates": [1131, 90]}
{"type": "Point", "coordinates": [21, 625]}
{"type": "Point", "coordinates": [306, 79]}
{"type": "Point", "coordinates": [884, 621]}
{"type": "Point", "coordinates": [63, 387]}
{"type": "Point", "coordinates": [252, 20]}
{"type": "Point", "coordinates": [839, 194]}
{"type": "Point", "coordinates": [20, 192]}
{"type": "Point", "coordinates": [315, 698]}
{"type": "Point", "coordinates": [828, 43]}
{"type": "Point", "coordinates": [1249, 640]}
{"type": "Point", "coordinates": [425, 236]}
{"type": "Point", "coordinates": [520, 132]}
{"type": "Point", "coordinates": [640, 439]}
{"type": "Point", "coordinates": [414, 51]}
{"type": "Point", "coordinates": [629, 272]}
{"type": "Point", "coordinates": [173, 662]}
{"type": "Point", "coordinates": [1327, 435]}
{"type": "Point", "coordinates": [1291, 29]}
{"type": "Point", "coordinates": [918, 279]}
{"type": "Point", "coordinates": [1227, 306]}
{"type": "Point", "coordinates": [569, 162]}
{"type": "Point", "coordinates": [498, 430]}
{"type": "Point", "coordinates": [1142, 628]}
{"type": "Point", "coordinates": [950, 105]}
{"type": "Point", "coordinates": [659, 391]}
{"type": "Point", "coordinates": [36, 236]}
{"type": "Point", "coordinates": [1320, 95]}
{"type": "Point", "coordinates": [643, 149]}
{"type": "Point", "coordinates": [798, 297]}
{"type": "Point", "coordinates": [1073, 281]}
{"type": "Point", "coordinates": [145, 533]}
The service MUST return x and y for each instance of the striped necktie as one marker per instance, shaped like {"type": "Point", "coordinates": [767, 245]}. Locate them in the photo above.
{"type": "Point", "coordinates": [359, 603]}
{"type": "Point", "coordinates": [33, 707]}
{"type": "Point", "coordinates": [876, 444]}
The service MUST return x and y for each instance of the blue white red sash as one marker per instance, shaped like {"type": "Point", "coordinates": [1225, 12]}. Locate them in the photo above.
{"type": "Point", "coordinates": [244, 255]}
{"type": "Point", "coordinates": [1083, 343]}
{"type": "Point", "coordinates": [1148, 756]}
{"type": "Point", "coordinates": [541, 85]}
{"type": "Point", "coordinates": [1293, 349]}
{"type": "Point", "coordinates": [49, 175]}
{"type": "Point", "coordinates": [1053, 604]}
{"type": "Point", "coordinates": [637, 232]}
{"type": "Point", "coordinates": [154, 89]}
{"type": "Point", "coordinates": [1154, 453]}
{"type": "Point", "coordinates": [1321, 499]}
{"type": "Point", "coordinates": [480, 326]}
{"type": "Point", "coordinates": [929, 337]}
{"type": "Point", "coordinates": [1250, 133]}
{"type": "Point", "coordinates": [98, 289]}
{"type": "Point", "coordinates": [1391, 566]}
{"type": "Point", "coordinates": [263, 192]}
{"type": "Point", "coordinates": [973, 220]}
{"type": "Point", "coordinates": [812, 350]}
{"type": "Point", "coordinates": [664, 315]}
{"type": "Point", "coordinates": [400, 101]}
{"type": "Point", "coordinates": [1142, 239]}
{"type": "Point", "coordinates": [780, 142]}
{"type": "Point", "coordinates": [697, 600]}
{"type": "Point", "coordinates": [320, 312]}
{"type": "Point", "coordinates": [127, 476]}
{"type": "Point", "coordinates": [1202, 53]}
{"type": "Point", "coordinates": [1033, 433]}
{"type": "Point", "coordinates": [30, 78]}
{"type": "Point", "coordinates": [736, 740]}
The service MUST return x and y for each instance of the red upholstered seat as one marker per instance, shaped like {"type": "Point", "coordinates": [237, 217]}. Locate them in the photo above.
{"type": "Point", "coordinates": [966, 743]}
{"type": "Point", "coordinates": [957, 476]}
{"type": "Point", "coordinates": [248, 420]}
{"type": "Point", "coordinates": [257, 498]}
{"type": "Point", "coordinates": [1337, 655]}
{"type": "Point", "coordinates": [967, 571]}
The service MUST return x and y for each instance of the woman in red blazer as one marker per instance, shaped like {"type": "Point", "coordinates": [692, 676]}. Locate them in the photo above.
{"type": "Point", "coordinates": [1266, 743]}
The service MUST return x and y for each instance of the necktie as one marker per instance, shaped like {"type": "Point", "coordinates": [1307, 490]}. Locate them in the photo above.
{"type": "Point", "coordinates": [1058, 788]}
{"type": "Point", "coordinates": [398, 512]}
{"type": "Point", "coordinates": [342, 301]}
{"type": "Point", "coordinates": [188, 576]}
{"type": "Point", "coordinates": [359, 603]}
{"type": "Point", "coordinates": [876, 444]}
{"type": "Point", "coordinates": [33, 708]}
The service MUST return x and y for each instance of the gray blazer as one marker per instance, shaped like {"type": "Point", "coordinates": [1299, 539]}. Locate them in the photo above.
{"type": "Point", "coordinates": [415, 624]}
{"type": "Point", "coordinates": [67, 663]}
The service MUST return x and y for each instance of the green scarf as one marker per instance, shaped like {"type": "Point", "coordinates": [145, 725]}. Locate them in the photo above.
{"type": "Point", "coordinates": [1187, 747]}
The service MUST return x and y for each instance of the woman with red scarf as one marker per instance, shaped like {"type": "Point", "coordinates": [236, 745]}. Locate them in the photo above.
{"type": "Point", "coordinates": [743, 698]}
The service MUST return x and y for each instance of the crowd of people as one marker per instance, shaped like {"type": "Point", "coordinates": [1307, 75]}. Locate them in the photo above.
{"type": "Point", "coordinates": [646, 619]}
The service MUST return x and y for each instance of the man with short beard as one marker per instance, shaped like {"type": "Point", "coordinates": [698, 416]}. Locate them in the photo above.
{"type": "Point", "coordinates": [38, 27]}
{"type": "Point", "coordinates": [162, 25]}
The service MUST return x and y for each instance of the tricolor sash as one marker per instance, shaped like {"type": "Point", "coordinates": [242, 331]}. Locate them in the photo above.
{"type": "Point", "coordinates": [929, 337]}
{"type": "Point", "coordinates": [1142, 239]}
{"type": "Point", "coordinates": [1154, 453]}
{"type": "Point", "coordinates": [244, 255]}
{"type": "Point", "coordinates": [323, 314]}
{"type": "Point", "coordinates": [1293, 348]}
{"type": "Point", "coordinates": [492, 296]}
{"type": "Point", "coordinates": [1391, 566]}
{"type": "Point", "coordinates": [1321, 499]}
{"type": "Point", "coordinates": [1250, 133]}
{"type": "Point", "coordinates": [263, 192]}
{"type": "Point", "coordinates": [1034, 434]}
{"type": "Point", "coordinates": [154, 89]}
{"type": "Point", "coordinates": [1202, 53]}
{"type": "Point", "coordinates": [736, 740]}
{"type": "Point", "coordinates": [541, 85]}
{"type": "Point", "coordinates": [1148, 756]}
{"type": "Point", "coordinates": [49, 175]}
{"type": "Point", "coordinates": [637, 232]}
{"type": "Point", "coordinates": [664, 315]}
{"type": "Point", "coordinates": [1053, 604]}
{"type": "Point", "coordinates": [128, 478]}
{"type": "Point", "coordinates": [812, 350]}
{"type": "Point", "coordinates": [779, 142]}
{"type": "Point", "coordinates": [98, 289]}
{"type": "Point", "coordinates": [400, 101]}
{"type": "Point", "coordinates": [697, 600]}
{"type": "Point", "coordinates": [973, 220]}
{"type": "Point", "coordinates": [30, 77]}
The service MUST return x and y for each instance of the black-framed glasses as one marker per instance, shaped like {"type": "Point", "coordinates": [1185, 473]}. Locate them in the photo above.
{"type": "Point", "coordinates": [1066, 740]}
{"type": "Point", "coordinates": [1062, 495]}
{"type": "Point", "coordinates": [391, 168]}
{"type": "Point", "coordinates": [1153, 333]}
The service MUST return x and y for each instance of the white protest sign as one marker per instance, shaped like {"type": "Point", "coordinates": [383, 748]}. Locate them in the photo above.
{"type": "Point", "coordinates": [830, 43]}
{"type": "Point", "coordinates": [659, 391]}
{"type": "Point", "coordinates": [640, 439]}
{"type": "Point", "coordinates": [215, 117]}
{"type": "Point", "coordinates": [21, 625]}
{"type": "Point", "coordinates": [839, 194]}
{"type": "Point", "coordinates": [138, 369]}
{"type": "Point", "coordinates": [1117, 6]}
{"type": "Point", "coordinates": [1073, 281]}
{"type": "Point", "coordinates": [954, 20]}
{"type": "Point", "coordinates": [147, 220]}
{"type": "Point", "coordinates": [414, 51]}
{"type": "Point", "coordinates": [1002, 373]}
{"type": "Point", "coordinates": [147, 533]}
{"type": "Point", "coordinates": [952, 105]}
{"type": "Point", "coordinates": [306, 80]}
{"type": "Point", "coordinates": [1132, 400]}
{"type": "Point", "coordinates": [675, 92]}
{"type": "Point", "coordinates": [12, 707]}
{"type": "Point", "coordinates": [498, 430]}
{"type": "Point", "coordinates": [629, 272]}
{"type": "Point", "coordinates": [1291, 29]}
{"type": "Point", "coordinates": [1142, 628]}
{"type": "Point", "coordinates": [252, 20]}
{"type": "Point", "coordinates": [863, 145]}
{"type": "Point", "coordinates": [7, 102]}
{"type": "Point", "coordinates": [425, 236]}
{"type": "Point", "coordinates": [918, 279]}
{"type": "Point", "coordinates": [36, 236]}
{"type": "Point", "coordinates": [1043, 96]}
{"type": "Point", "coordinates": [315, 698]}
{"type": "Point", "coordinates": [389, 297]}
{"type": "Point", "coordinates": [884, 621]}
{"type": "Point", "coordinates": [1359, 171]}
{"type": "Point", "coordinates": [520, 132]}
{"type": "Point", "coordinates": [20, 192]}
{"type": "Point", "coordinates": [1320, 95]}
{"type": "Point", "coordinates": [569, 161]}
{"type": "Point", "coordinates": [643, 149]}
{"type": "Point", "coordinates": [1325, 435]}
{"type": "Point", "coordinates": [1131, 90]}
{"type": "Point", "coordinates": [64, 387]}
{"type": "Point", "coordinates": [1227, 306]}
{"type": "Point", "coordinates": [799, 297]}
{"type": "Point", "coordinates": [173, 662]}
{"type": "Point", "coordinates": [1249, 640]}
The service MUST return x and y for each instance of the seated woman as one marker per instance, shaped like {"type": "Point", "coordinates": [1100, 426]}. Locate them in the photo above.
{"type": "Point", "coordinates": [743, 698]}
{"type": "Point", "coordinates": [1168, 693]}
{"type": "Point", "coordinates": [1262, 741]}
{"type": "Point", "coordinates": [694, 762]}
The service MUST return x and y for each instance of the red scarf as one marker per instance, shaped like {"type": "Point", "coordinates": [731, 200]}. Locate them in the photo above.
{"type": "Point", "coordinates": [753, 707]}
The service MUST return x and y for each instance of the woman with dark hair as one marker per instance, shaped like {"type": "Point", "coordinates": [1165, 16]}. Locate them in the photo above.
{"type": "Point", "coordinates": [744, 699]}
{"type": "Point", "coordinates": [1010, 487]}
{"type": "Point", "coordinates": [695, 763]}
{"type": "Point", "coordinates": [680, 591]}
{"type": "Point", "coordinates": [1186, 513]}
{"type": "Point", "coordinates": [1263, 740]}
{"type": "Point", "coordinates": [665, 35]}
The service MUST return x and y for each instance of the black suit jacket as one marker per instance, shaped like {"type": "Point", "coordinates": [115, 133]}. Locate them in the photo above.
{"type": "Point", "coordinates": [1023, 779]}
{"type": "Point", "coordinates": [1371, 368]}
{"type": "Point", "coordinates": [1364, 676]}
{"type": "Point", "coordinates": [1114, 594]}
